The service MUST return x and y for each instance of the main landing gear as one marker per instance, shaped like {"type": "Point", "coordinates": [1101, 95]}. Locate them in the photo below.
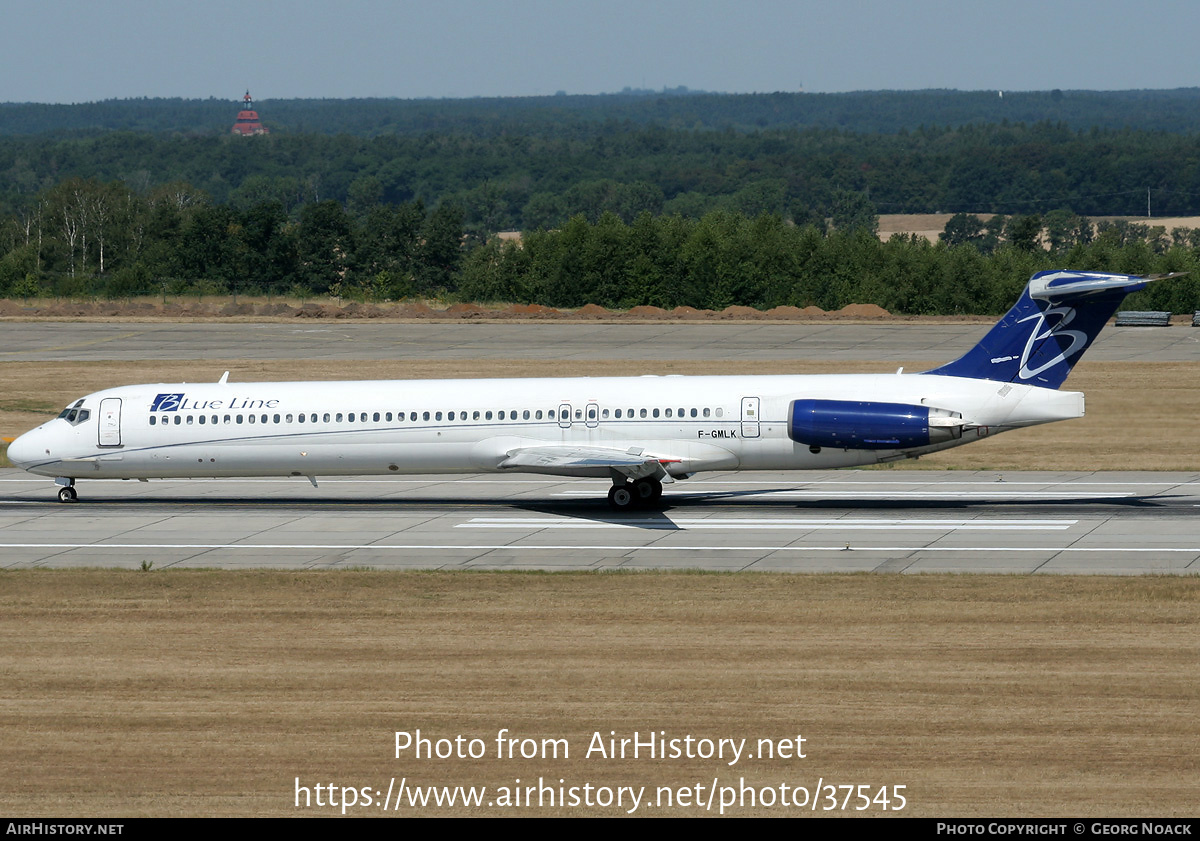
{"type": "Point", "coordinates": [640, 494]}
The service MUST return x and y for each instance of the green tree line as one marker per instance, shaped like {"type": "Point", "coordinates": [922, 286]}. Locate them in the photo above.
{"type": "Point", "coordinates": [86, 237]}
{"type": "Point", "coordinates": [764, 261]}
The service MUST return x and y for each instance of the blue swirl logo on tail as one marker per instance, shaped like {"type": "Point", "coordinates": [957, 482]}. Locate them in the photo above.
{"type": "Point", "coordinates": [1079, 340]}
{"type": "Point", "coordinates": [1067, 309]}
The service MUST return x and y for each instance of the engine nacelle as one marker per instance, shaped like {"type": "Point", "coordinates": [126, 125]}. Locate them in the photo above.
{"type": "Point", "coordinates": [865, 425]}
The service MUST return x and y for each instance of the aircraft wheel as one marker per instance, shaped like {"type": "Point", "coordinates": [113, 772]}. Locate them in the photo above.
{"type": "Point", "coordinates": [67, 495]}
{"type": "Point", "coordinates": [621, 497]}
{"type": "Point", "coordinates": [648, 490]}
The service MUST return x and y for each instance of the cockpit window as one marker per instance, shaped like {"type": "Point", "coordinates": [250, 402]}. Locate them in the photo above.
{"type": "Point", "coordinates": [74, 415]}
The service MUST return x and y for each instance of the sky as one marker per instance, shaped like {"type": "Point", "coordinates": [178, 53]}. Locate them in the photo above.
{"type": "Point", "coordinates": [65, 51]}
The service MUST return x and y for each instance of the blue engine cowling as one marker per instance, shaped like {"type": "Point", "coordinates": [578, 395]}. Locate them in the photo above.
{"type": "Point", "coordinates": [858, 425]}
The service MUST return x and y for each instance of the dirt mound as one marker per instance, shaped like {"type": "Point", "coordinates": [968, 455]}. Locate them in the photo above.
{"type": "Point", "coordinates": [533, 311]}
{"type": "Point", "coordinates": [742, 313]}
{"type": "Point", "coordinates": [311, 310]}
{"type": "Point", "coordinates": [786, 312]}
{"type": "Point", "coordinates": [465, 311]}
{"type": "Point", "coordinates": [417, 309]}
{"type": "Point", "coordinates": [647, 312]}
{"type": "Point", "coordinates": [690, 314]}
{"type": "Point", "coordinates": [863, 311]}
{"type": "Point", "coordinates": [592, 311]}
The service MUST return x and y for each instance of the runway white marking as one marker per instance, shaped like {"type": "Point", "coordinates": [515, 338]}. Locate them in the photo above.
{"type": "Point", "coordinates": [871, 492]}
{"type": "Point", "coordinates": [694, 484]}
{"type": "Point", "coordinates": [426, 547]}
{"type": "Point", "coordinates": [731, 524]}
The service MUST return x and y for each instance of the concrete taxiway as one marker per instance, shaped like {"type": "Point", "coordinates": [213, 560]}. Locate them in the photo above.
{"type": "Point", "coordinates": [844, 521]}
{"type": "Point", "coordinates": [833, 341]}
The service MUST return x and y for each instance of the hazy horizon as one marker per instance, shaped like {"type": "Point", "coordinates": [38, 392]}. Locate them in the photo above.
{"type": "Point", "coordinates": [78, 51]}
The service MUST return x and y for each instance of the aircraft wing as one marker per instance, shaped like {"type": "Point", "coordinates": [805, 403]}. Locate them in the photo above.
{"type": "Point", "coordinates": [587, 461]}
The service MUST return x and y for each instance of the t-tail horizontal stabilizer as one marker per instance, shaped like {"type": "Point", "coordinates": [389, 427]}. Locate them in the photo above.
{"type": "Point", "coordinates": [1056, 319]}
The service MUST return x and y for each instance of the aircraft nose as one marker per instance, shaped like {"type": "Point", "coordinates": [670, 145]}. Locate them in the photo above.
{"type": "Point", "coordinates": [25, 449]}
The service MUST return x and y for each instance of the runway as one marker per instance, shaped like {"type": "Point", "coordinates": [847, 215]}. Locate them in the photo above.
{"type": "Point", "coordinates": [874, 520]}
{"type": "Point", "coordinates": [843, 521]}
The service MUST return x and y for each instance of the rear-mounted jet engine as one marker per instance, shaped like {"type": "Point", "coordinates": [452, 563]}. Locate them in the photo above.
{"type": "Point", "coordinates": [864, 425]}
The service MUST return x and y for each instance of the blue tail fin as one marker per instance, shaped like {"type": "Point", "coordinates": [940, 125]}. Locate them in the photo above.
{"type": "Point", "coordinates": [1048, 329]}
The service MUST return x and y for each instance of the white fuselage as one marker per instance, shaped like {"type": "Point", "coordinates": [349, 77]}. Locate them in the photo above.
{"type": "Point", "coordinates": [445, 426]}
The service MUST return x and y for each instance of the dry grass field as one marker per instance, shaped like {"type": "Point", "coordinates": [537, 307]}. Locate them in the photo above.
{"type": "Point", "coordinates": [931, 225]}
{"type": "Point", "coordinates": [209, 693]}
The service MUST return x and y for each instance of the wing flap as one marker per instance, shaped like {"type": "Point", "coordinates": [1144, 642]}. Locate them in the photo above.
{"type": "Point", "coordinates": [587, 461]}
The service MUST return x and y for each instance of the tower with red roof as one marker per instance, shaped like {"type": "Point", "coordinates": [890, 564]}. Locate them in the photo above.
{"type": "Point", "coordinates": [247, 119]}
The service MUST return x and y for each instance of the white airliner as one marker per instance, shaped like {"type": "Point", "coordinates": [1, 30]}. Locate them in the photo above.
{"type": "Point", "coordinates": [638, 432]}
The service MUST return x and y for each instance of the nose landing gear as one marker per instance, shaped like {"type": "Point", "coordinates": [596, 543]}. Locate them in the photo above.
{"type": "Point", "coordinates": [67, 493]}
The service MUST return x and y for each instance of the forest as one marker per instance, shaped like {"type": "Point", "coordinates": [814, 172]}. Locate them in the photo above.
{"type": "Point", "coordinates": [616, 206]}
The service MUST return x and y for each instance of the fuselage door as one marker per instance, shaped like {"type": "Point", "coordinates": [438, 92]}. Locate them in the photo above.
{"type": "Point", "coordinates": [110, 422]}
{"type": "Point", "coordinates": [749, 417]}
{"type": "Point", "coordinates": [593, 415]}
{"type": "Point", "coordinates": [564, 415]}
